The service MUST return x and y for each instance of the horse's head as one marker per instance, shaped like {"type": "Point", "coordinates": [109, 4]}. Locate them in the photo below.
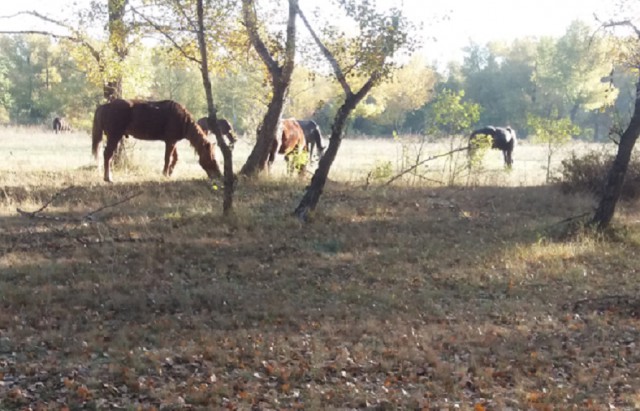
{"type": "Point", "coordinates": [226, 129]}
{"type": "Point", "coordinates": [208, 161]}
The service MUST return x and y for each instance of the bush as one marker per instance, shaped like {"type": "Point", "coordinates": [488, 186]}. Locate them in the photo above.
{"type": "Point", "coordinates": [588, 173]}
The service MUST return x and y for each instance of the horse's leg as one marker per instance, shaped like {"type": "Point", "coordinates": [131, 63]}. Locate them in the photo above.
{"type": "Point", "coordinates": [272, 152]}
{"type": "Point", "coordinates": [170, 158]}
{"type": "Point", "coordinates": [311, 144]}
{"type": "Point", "coordinates": [174, 160]}
{"type": "Point", "coordinates": [109, 150]}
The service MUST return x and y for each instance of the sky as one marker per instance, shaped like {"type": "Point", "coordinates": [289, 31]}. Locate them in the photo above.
{"type": "Point", "coordinates": [454, 24]}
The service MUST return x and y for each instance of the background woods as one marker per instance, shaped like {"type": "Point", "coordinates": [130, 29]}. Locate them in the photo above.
{"type": "Point", "coordinates": [575, 75]}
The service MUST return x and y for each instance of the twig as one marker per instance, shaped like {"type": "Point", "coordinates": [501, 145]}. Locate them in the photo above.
{"type": "Point", "coordinates": [570, 219]}
{"type": "Point", "coordinates": [89, 216]}
{"type": "Point", "coordinates": [413, 167]}
{"type": "Point", "coordinates": [33, 214]}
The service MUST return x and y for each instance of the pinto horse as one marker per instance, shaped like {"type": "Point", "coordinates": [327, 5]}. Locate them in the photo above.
{"type": "Point", "coordinates": [151, 120]}
{"type": "Point", "coordinates": [60, 125]}
{"type": "Point", "coordinates": [313, 137]}
{"type": "Point", "coordinates": [502, 138]}
{"type": "Point", "coordinates": [292, 141]}
{"type": "Point", "coordinates": [223, 125]}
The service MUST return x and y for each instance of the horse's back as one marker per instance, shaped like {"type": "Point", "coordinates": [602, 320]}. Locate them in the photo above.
{"type": "Point", "coordinates": [158, 120]}
{"type": "Point", "coordinates": [292, 136]}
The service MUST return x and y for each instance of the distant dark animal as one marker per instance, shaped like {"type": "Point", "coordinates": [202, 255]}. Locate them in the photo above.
{"type": "Point", "coordinates": [502, 138]}
{"type": "Point", "coordinates": [292, 141]}
{"type": "Point", "coordinates": [225, 128]}
{"type": "Point", "coordinates": [151, 120]}
{"type": "Point", "coordinates": [60, 124]}
{"type": "Point", "coordinates": [313, 137]}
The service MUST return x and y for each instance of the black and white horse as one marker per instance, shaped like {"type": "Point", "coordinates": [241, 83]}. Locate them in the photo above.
{"type": "Point", "coordinates": [313, 136]}
{"type": "Point", "coordinates": [502, 138]}
{"type": "Point", "coordinates": [60, 125]}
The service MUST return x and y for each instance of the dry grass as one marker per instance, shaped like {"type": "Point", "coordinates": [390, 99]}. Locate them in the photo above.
{"type": "Point", "coordinates": [401, 297]}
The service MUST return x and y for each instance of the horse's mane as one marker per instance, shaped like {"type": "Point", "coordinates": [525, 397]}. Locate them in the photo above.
{"type": "Point", "coordinates": [192, 132]}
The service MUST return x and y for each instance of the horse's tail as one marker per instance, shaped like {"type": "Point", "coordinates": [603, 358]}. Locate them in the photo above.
{"type": "Point", "coordinates": [96, 133]}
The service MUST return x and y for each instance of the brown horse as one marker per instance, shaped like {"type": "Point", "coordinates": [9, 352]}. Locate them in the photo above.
{"type": "Point", "coordinates": [225, 128]}
{"type": "Point", "coordinates": [60, 125]}
{"type": "Point", "coordinates": [151, 120]}
{"type": "Point", "coordinates": [291, 141]}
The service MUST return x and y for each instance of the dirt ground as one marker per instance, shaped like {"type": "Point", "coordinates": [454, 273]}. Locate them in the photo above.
{"type": "Point", "coordinates": [140, 295]}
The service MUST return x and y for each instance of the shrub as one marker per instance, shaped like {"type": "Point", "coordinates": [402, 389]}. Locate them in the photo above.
{"type": "Point", "coordinates": [588, 173]}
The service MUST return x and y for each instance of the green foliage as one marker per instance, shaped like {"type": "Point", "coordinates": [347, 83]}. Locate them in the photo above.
{"type": "Point", "coordinates": [553, 133]}
{"type": "Point", "coordinates": [6, 100]}
{"type": "Point", "coordinates": [382, 170]}
{"type": "Point", "coordinates": [478, 147]}
{"type": "Point", "coordinates": [449, 115]}
{"type": "Point", "coordinates": [297, 161]}
{"type": "Point", "coordinates": [381, 35]}
{"type": "Point", "coordinates": [39, 80]}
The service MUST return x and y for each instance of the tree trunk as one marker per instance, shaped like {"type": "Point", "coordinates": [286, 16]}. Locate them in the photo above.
{"type": "Point", "coordinates": [266, 134]}
{"type": "Point", "coordinates": [615, 179]}
{"type": "Point", "coordinates": [312, 196]}
{"type": "Point", "coordinates": [113, 87]}
{"type": "Point", "coordinates": [280, 80]}
{"type": "Point", "coordinates": [212, 119]}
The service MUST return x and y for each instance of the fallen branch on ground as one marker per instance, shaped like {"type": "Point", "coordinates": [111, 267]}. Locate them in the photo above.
{"type": "Point", "coordinates": [86, 217]}
{"type": "Point", "coordinates": [418, 164]}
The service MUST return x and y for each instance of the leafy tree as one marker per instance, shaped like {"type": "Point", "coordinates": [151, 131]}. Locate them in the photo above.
{"type": "Point", "coordinates": [309, 92]}
{"type": "Point", "coordinates": [278, 57]}
{"type": "Point", "coordinates": [5, 94]}
{"type": "Point", "coordinates": [407, 89]}
{"type": "Point", "coordinates": [568, 73]}
{"type": "Point", "coordinates": [615, 179]}
{"type": "Point", "coordinates": [367, 60]}
{"type": "Point", "coordinates": [449, 115]}
{"type": "Point", "coordinates": [553, 133]}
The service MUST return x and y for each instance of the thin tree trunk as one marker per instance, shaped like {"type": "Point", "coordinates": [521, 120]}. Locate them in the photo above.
{"type": "Point", "coordinates": [266, 134]}
{"type": "Point", "coordinates": [615, 179]}
{"type": "Point", "coordinates": [312, 195]}
{"type": "Point", "coordinates": [212, 119]}
{"type": "Point", "coordinates": [113, 88]}
{"type": "Point", "coordinates": [280, 80]}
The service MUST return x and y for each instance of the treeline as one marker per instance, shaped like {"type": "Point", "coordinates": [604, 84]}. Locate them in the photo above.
{"type": "Point", "coordinates": [572, 77]}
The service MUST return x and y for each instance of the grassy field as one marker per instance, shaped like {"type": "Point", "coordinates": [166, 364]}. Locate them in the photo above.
{"type": "Point", "coordinates": [414, 295]}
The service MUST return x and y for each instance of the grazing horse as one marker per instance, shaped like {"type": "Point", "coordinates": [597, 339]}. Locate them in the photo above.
{"type": "Point", "coordinates": [151, 120]}
{"type": "Point", "coordinates": [292, 141]}
{"type": "Point", "coordinates": [502, 138]}
{"type": "Point", "coordinates": [60, 124]}
{"type": "Point", "coordinates": [223, 125]}
{"type": "Point", "coordinates": [313, 137]}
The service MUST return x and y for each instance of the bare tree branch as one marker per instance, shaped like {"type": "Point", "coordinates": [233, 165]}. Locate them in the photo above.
{"type": "Point", "coordinates": [251, 23]}
{"type": "Point", "coordinates": [340, 76]}
{"type": "Point", "coordinates": [87, 216]}
{"type": "Point", "coordinates": [166, 35]}
{"type": "Point", "coordinates": [75, 37]}
{"type": "Point", "coordinates": [416, 165]}
{"type": "Point", "coordinates": [627, 23]}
